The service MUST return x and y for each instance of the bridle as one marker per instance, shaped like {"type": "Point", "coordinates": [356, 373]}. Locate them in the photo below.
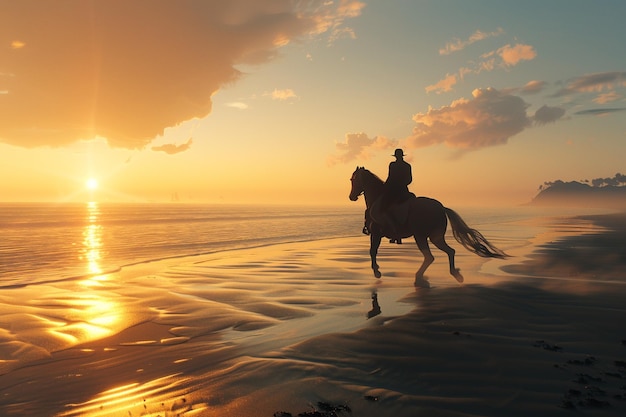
{"type": "Point", "coordinates": [362, 192]}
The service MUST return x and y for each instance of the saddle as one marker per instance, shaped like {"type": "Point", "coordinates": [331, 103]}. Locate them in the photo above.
{"type": "Point", "coordinates": [393, 218]}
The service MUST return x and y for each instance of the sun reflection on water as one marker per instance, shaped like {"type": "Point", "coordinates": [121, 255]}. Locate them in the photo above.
{"type": "Point", "coordinates": [92, 239]}
{"type": "Point", "coordinates": [93, 313]}
{"type": "Point", "coordinates": [163, 396]}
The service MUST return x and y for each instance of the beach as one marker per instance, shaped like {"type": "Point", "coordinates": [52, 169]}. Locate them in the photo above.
{"type": "Point", "coordinates": [304, 328]}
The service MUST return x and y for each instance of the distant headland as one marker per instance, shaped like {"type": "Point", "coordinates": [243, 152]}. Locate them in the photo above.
{"type": "Point", "coordinates": [599, 192]}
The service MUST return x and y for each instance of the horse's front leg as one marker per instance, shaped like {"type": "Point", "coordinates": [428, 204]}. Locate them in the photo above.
{"type": "Point", "coordinates": [375, 239]}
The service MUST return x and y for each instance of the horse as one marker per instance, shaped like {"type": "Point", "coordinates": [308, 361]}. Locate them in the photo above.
{"type": "Point", "coordinates": [426, 218]}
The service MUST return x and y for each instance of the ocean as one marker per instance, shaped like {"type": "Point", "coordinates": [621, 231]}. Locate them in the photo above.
{"type": "Point", "coordinates": [55, 242]}
{"type": "Point", "coordinates": [48, 242]}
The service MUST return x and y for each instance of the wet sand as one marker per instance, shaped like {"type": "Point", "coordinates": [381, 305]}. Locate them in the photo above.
{"type": "Point", "coordinates": [305, 327]}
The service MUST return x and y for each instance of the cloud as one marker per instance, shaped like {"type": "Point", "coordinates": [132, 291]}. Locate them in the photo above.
{"type": "Point", "coordinates": [504, 57]}
{"type": "Point", "coordinates": [547, 114]}
{"type": "Point", "coordinates": [126, 70]}
{"type": "Point", "coordinates": [171, 149]}
{"type": "Point", "coordinates": [458, 44]}
{"type": "Point", "coordinates": [512, 55]}
{"type": "Point", "coordinates": [285, 94]}
{"type": "Point", "coordinates": [444, 85]}
{"type": "Point", "coordinates": [237, 105]}
{"type": "Point", "coordinates": [600, 112]}
{"type": "Point", "coordinates": [607, 97]}
{"type": "Point", "coordinates": [490, 118]}
{"type": "Point", "coordinates": [347, 9]}
{"type": "Point", "coordinates": [616, 181]}
{"type": "Point", "coordinates": [593, 83]}
{"type": "Point", "coordinates": [357, 146]}
{"type": "Point", "coordinates": [533, 87]}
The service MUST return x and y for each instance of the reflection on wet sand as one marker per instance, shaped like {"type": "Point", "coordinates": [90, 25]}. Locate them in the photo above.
{"type": "Point", "coordinates": [202, 325]}
{"type": "Point", "coordinates": [375, 306]}
{"type": "Point", "coordinates": [96, 314]}
{"type": "Point", "coordinates": [167, 395]}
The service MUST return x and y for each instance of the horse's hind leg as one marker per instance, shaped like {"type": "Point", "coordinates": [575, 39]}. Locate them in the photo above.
{"type": "Point", "coordinates": [440, 241]}
{"type": "Point", "coordinates": [422, 244]}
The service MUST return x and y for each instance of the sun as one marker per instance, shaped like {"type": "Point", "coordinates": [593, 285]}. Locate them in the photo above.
{"type": "Point", "coordinates": [91, 184]}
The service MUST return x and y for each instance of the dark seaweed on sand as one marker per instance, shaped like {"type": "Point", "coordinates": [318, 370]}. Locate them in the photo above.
{"type": "Point", "coordinates": [323, 409]}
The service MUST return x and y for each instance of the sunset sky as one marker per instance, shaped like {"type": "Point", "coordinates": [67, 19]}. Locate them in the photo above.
{"type": "Point", "coordinates": [277, 101]}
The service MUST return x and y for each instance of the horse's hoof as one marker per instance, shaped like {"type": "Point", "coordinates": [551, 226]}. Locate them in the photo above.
{"type": "Point", "coordinates": [457, 275]}
{"type": "Point", "coordinates": [377, 274]}
{"type": "Point", "coordinates": [421, 283]}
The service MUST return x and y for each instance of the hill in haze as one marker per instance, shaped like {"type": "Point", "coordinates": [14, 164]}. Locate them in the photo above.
{"type": "Point", "coordinates": [600, 192]}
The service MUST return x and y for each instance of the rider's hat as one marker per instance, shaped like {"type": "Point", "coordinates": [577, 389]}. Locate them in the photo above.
{"type": "Point", "coordinates": [399, 152]}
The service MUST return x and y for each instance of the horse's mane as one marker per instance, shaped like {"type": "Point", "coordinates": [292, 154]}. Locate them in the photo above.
{"type": "Point", "coordinates": [370, 173]}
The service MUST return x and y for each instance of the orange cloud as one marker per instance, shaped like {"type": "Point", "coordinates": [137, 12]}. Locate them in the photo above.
{"type": "Point", "coordinates": [512, 55]}
{"type": "Point", "coordinates": [444, 85]}
{"type": "Point", "coordinates": [607, 97]}
{"type": "Point", "coordinates": [358, 146]}
{"type": "Point", "coordinates": [285, 94]}
{"type": "Point", "coordinates": [171, 149]}
{"type": "Point", "coordinates": [534, 86]}
{"type": "Point", "coordinates": [126, 70]}
{"type": "Point", "coordinates": [458, 44]}
{"type": "Point", "coordinates": [508, 56]}
{"type": "Point", "coordinates": [490, 118]}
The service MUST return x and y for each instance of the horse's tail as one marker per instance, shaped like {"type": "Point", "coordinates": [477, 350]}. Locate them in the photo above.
{"type": "Point", "coordinates": [472, 239]}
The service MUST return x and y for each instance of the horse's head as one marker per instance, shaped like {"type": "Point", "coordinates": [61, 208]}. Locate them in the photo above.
{"type": "Point", "coordinates": [357, 183]}
{"type": "Point", "coordinates": [366, 183]}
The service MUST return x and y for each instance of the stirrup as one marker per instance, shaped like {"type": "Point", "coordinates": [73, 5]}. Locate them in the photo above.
{"type": "Point", "coordinates": [365, 230]}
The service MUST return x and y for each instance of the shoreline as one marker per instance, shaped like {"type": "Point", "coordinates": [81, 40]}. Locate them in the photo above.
{"type": "Point", "coordinates": [293, 327]}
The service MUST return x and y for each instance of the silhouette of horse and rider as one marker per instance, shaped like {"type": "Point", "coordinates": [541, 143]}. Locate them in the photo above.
{"type": "Point", "coordinates": [396, 192]}
{"type": "Point", "coordinates": [394, 212]}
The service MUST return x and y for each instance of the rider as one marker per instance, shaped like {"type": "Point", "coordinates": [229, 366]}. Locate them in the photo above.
{"type": "Point", "coordinates": [397, 186]}
{"type": "Point", "coordinates": [398, 179]}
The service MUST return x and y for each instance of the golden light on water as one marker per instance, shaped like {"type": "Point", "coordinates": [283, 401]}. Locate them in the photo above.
{"type": "Point", "coordinates": [167, 395]}
{"type": "Point", "coordinates": [92, 239]}
{"type": "Point", "coordinates": [95, 313]}
{"type": "Point", "coordinates": [96, 317]}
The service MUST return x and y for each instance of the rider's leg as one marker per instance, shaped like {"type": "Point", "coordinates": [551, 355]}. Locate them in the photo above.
{"type": "Point", "coordinates": [366, 230]}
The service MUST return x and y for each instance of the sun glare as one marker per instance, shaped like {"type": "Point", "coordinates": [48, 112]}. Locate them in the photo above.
{"type": "Point", "coordinates": [91, 184]}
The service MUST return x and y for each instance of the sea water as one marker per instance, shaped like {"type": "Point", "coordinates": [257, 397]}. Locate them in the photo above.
{"type": "Point", "coordinates": [53, 242]}
{"type": "Point", "coordinates": [43, 242]}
